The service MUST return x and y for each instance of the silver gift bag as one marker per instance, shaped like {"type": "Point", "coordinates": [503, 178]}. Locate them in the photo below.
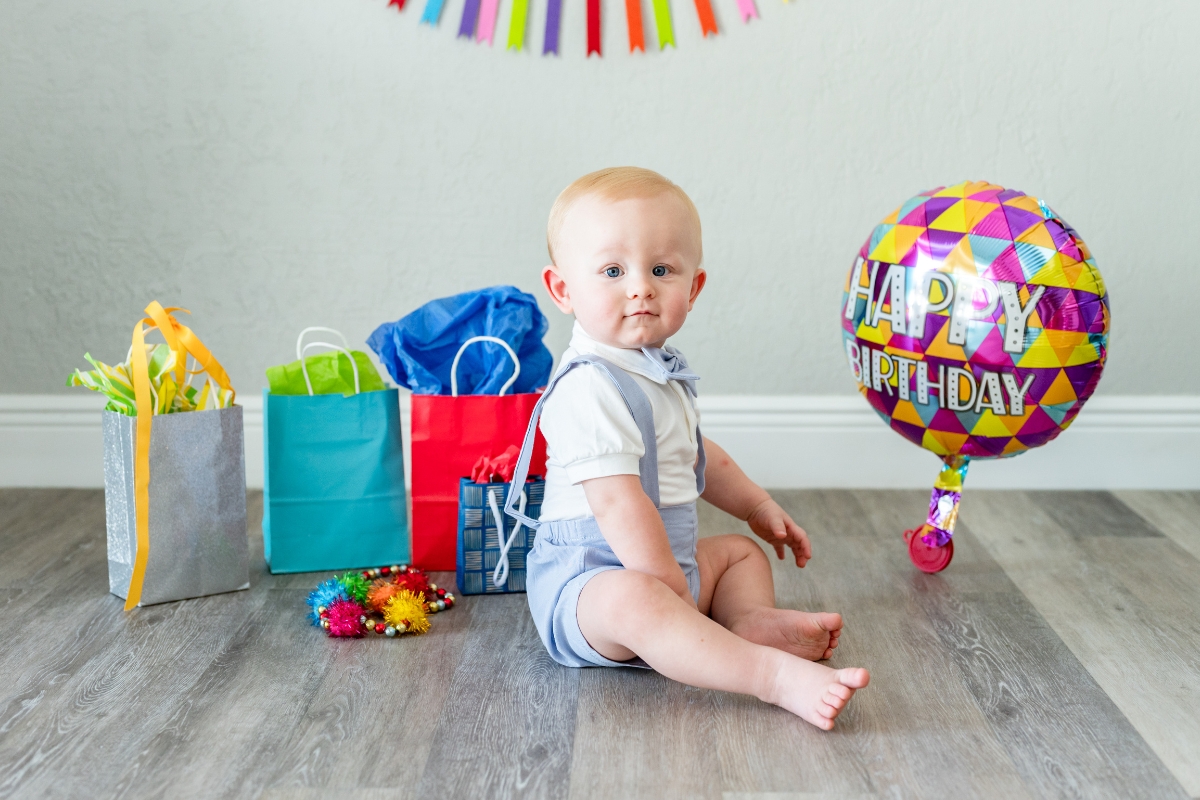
{"type": "Point", "coordinates": [198, 542]}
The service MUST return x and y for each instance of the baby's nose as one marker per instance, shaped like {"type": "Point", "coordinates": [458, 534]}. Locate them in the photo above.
{"type": "Point", "coordinates": [640, 287]}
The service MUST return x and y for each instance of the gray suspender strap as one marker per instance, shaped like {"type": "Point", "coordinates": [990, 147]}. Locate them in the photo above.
{"type": "Point", "coordinates": [638, 405]}
{"type": "Point", "coordinates": [674, 367]}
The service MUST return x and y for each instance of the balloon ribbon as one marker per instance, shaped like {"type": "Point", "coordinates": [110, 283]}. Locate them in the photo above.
{"type": "Point", "coordinates": [943, 503]}
{"type": "Point", "coordinates": [593, 27]}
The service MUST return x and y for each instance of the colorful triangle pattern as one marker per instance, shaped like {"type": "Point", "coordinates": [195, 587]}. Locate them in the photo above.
{"type": "Point", "coordinates": [981, 235]}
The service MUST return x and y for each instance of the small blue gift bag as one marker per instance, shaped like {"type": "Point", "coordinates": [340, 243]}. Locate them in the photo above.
{"type": "Point", "coordinates": [333, 494]}
{"type": "Point", "coordinates": [491, 558]}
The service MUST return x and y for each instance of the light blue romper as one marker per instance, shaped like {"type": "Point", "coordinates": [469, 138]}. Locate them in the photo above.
{"type": "Point", "coordinates": [568, 553]}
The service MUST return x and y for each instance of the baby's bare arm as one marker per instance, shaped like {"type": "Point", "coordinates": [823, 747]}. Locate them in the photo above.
{"type": "Point", "coordinates": [726, 486]}
{"type": "Point", "coordinates": [732, 491]}
{"type": "Point", "coordinates": [634, 530]}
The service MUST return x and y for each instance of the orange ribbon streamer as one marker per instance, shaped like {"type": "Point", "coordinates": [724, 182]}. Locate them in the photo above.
{"type": "Point", "coordinates": [708, 23]}
{"type": "Point", "coordinates": [182, 342]}
{"type": "Point", "coordinates": [633, 16]}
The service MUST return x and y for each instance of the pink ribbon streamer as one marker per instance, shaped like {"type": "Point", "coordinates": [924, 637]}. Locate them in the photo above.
{"type": "Point", "coordinates": [487, 21]}
{"type": "Point", "coordinates": [747, 9]}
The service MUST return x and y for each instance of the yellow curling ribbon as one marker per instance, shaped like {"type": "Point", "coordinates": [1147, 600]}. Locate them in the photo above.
{"type": "Point", "coordinates": [182, 342]}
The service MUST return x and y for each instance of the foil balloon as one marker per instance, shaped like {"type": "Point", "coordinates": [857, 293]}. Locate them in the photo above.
{"type": "Point", "coordinates": [976, 324]}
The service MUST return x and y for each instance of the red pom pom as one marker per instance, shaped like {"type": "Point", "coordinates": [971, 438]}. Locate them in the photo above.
{"type": "Point", "coordinates": [415, 582]}
{"type": "Point", "coordinates": [345, 618]}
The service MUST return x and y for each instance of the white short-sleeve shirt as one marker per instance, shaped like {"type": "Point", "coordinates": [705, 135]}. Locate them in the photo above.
{"type": "Point", "coordinates": [591, 434]}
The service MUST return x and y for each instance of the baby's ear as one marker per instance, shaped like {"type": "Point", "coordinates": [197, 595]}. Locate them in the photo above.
{"type": "Point", "coordinates": [698, 281]}
{"type": "Point", "coordinates": [556, 287]}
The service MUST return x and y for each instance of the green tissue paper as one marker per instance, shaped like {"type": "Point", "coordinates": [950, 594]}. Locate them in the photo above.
{"type": "Point", "coordinates": [330, 373]}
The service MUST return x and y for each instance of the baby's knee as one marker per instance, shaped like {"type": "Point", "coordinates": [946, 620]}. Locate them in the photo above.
{"type": "Point", "coordinates": [738, 547]}
{"type": "Point", "coordinates": [625, 594]}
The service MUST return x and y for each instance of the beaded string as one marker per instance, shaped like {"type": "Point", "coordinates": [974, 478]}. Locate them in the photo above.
{"type": "Point", "coordinates": [387, 601]}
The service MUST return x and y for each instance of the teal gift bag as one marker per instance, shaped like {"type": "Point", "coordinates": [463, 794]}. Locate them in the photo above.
{"type": "Point", "coordinates": [333, 492]}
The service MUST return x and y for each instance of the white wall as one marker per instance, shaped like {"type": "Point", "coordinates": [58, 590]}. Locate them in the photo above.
{"type": "Point", "coordinates": [280, 163]}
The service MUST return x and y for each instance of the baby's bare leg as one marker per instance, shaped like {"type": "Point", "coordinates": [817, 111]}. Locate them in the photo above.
{"type": "Point", "coordinates": [736, 590]}
{"type": "Point", "coordinates": [623, 613]}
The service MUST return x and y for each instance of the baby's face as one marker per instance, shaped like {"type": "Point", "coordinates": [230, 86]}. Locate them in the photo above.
{"type": "Point", "coordinates": [628, 270]}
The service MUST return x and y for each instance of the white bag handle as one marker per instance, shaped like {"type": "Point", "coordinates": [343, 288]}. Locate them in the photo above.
{"type": "Point", "coordinates": [500, 574]}
{"type": "Point", "coordinates": [472, 340]}
{"type": "Point", "coordinates": [306, 331]}
{"type": "Point", "coordinates": [301, 349]}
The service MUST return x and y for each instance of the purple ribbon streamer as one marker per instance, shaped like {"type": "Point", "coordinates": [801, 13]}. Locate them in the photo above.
{"type": "Point", "coordinates": [470, 15]}
{"type": "Point", "coordinates": [553, 11]}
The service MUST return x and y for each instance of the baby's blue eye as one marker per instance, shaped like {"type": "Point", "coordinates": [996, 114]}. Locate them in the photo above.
{"type": "Point", "coordinates": [613, 272]}
{"type": "Point", "coordinates": [659, 271]}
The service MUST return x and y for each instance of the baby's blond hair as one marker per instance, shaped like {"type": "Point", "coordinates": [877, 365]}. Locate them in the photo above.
{"type": "Point", "coordinates": [613, 184]}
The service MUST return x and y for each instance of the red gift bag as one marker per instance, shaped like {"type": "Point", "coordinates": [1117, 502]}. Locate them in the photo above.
{"type": "Point", "coordinates": [449, 434]}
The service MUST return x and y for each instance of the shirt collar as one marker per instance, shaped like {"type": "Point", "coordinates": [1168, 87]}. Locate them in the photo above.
{"type": "Point", "coordinates": [634, 361]}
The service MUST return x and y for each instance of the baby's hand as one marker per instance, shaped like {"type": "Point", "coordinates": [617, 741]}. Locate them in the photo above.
{"type": "Point", "coordinates": [776, 528]}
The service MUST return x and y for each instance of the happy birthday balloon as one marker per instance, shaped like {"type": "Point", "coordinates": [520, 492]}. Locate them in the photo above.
{"type": "Point", "coordinates": [976, 324]}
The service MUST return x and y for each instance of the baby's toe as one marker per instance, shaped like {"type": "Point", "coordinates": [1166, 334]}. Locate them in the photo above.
{"type": "Point", "coordinates": [827, 711]}
{"type": "Point", "coordinates": [855, 677]}
{"type": "Point", "coordinates": [838, 690]}
{"type": "Point", "coordinates": [833, 701]}
{"type": "Point", "coordinates": [830, 622]}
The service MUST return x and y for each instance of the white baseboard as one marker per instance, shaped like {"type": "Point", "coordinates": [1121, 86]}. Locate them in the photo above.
{"type": "Point", "coordinates": [1133, 442]}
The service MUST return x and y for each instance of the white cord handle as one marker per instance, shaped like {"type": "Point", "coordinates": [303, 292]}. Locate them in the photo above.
{"type": "Point", "coordinates": [500, 574]}
{"type": "Point", "coordinates": [304, 367]}
{"type": "Point", "coordinates": [306, 331]}
{"type": "Point", "coordinates": [493, 339]}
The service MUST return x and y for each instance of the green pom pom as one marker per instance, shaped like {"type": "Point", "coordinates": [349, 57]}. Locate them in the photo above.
{"type": "Point", "coordinates": [356, 586]}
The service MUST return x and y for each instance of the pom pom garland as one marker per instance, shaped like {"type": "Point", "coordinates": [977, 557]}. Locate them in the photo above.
{"type": "Point", "coordinates": [388, 601]}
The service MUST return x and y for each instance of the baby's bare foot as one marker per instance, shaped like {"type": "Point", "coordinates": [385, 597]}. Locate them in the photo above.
{"type": "Point", "coordinates": [808, 635]}
{"type": "Point", "coordinates": [813, 692]}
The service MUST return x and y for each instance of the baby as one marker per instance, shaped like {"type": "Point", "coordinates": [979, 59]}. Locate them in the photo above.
{"type": "Point", "coordinates": [617, 576]}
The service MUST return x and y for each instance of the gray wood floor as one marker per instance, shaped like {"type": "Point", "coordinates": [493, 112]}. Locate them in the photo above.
{"type": "Point", "coordinates": [1058, 656]}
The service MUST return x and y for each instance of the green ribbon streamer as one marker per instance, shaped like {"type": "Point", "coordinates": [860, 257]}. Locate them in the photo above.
{"type": "Point", "coordinates": [662, 21]}
{"type": "Point", "coordinates": [516, 24]}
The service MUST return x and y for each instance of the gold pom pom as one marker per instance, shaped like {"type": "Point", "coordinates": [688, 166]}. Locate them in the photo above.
{"type": "Point", "coordinates": [406, 611]}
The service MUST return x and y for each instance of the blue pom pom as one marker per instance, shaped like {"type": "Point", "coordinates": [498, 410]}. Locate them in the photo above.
{"type": "Point", "coordinates": [314, 618]}
{"type": "Point", "coordinates": [325, 594]}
